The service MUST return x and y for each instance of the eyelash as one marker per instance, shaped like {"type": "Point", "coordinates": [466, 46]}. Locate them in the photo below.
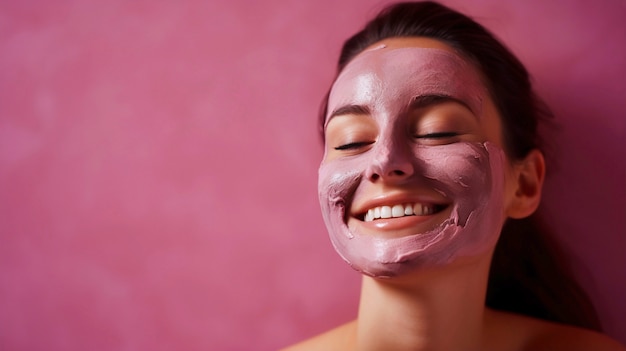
{"type": "Point", "coordinates": [441, 135]}
{"type": "Point", "coordinates": [354, 145]}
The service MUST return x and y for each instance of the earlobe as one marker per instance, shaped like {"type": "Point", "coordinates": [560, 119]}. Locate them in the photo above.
{"type": "Point", "coordinates": [529, 176]}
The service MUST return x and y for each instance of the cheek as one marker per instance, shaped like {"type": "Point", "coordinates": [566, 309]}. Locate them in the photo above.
{"type": "Point", "coordinates": [461, 167]}
{"type": "Point", "coordinates": [510, 184]}
{"type": "Point", "coordinates": [492, 124]}
{"type": "Point", "coordinates": [337, 180]}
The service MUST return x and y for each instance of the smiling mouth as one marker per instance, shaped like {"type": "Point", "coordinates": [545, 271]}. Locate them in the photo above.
{"type": "Point", "coordinates": [401, 210]}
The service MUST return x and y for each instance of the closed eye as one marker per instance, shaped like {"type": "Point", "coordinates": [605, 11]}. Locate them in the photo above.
{"type": "Point", "coordinates": [354, 145]}
{"type": "Point", "coordinates": [440, 135]}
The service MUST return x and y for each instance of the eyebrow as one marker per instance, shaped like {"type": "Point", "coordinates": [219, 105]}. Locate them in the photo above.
{"type": "Point", "coordinates": [418, 102]}
{"type": "Point", "coordinates": [350, 110]}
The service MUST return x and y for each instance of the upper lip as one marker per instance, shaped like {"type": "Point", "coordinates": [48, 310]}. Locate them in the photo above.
{"type": "Point", "coordinates": [390, 199]}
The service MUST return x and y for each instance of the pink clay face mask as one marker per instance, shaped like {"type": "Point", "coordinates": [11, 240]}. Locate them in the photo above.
{"type": "Point", "coordinates": [469, 175]}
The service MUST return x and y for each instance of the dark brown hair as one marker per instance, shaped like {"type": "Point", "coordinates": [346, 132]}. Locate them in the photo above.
{"type": "Point", "coordinates": [529, 273]}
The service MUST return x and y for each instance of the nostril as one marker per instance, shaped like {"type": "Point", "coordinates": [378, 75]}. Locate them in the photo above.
{"type": "Point", "coordinates": [390, 174]}
{"type": "Point", "coordinates": [390, 168]}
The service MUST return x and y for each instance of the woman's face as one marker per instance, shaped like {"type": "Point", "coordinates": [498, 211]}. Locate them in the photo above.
{"type": "Point", "coordinates": [413, 173]}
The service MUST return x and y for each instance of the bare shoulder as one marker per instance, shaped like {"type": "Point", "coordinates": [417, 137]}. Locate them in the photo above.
{"type": "Point", "coordinates": [340, 339]}
{"type": "Point", "coordinates": [516, 332]}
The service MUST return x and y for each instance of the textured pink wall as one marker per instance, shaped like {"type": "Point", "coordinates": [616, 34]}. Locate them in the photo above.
{"type": "Point", "coordinates": [158, 165]}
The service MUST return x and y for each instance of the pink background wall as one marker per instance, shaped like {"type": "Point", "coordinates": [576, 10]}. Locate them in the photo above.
{"type": "Point", "coordinates": [158, 165]}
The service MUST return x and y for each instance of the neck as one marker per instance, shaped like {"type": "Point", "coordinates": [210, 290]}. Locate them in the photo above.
{"type": "Point", "coordinates": [439, 309]}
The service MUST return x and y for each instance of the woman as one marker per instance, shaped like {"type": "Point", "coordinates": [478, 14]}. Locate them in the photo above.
{"type": "Point", "coordinates": [431, 145]}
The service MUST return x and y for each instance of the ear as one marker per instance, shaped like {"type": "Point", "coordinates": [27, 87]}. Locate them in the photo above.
{"type": "Point", "coordinates": [529, 175]}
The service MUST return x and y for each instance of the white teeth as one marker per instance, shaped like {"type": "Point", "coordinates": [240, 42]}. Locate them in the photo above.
{"type": "Point", "coordinates": [408, 210]}
{"type": "Point", "coordinates": [396, 211]}
{"type": "Point", "coordinates": [369, 216]}
{"type": "Point", "coordinates": [385, 212]}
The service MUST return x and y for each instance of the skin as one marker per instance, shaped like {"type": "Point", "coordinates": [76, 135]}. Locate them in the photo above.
{"type": "Point", "coordinates": [440, 305]}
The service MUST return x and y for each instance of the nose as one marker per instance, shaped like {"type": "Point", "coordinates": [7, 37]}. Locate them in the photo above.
{"type": "Point", "coordinates": [391, 163]}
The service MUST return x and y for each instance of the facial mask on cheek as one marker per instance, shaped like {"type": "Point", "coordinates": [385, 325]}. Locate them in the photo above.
{"type": "Point", "coordinates": [471, 175]}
